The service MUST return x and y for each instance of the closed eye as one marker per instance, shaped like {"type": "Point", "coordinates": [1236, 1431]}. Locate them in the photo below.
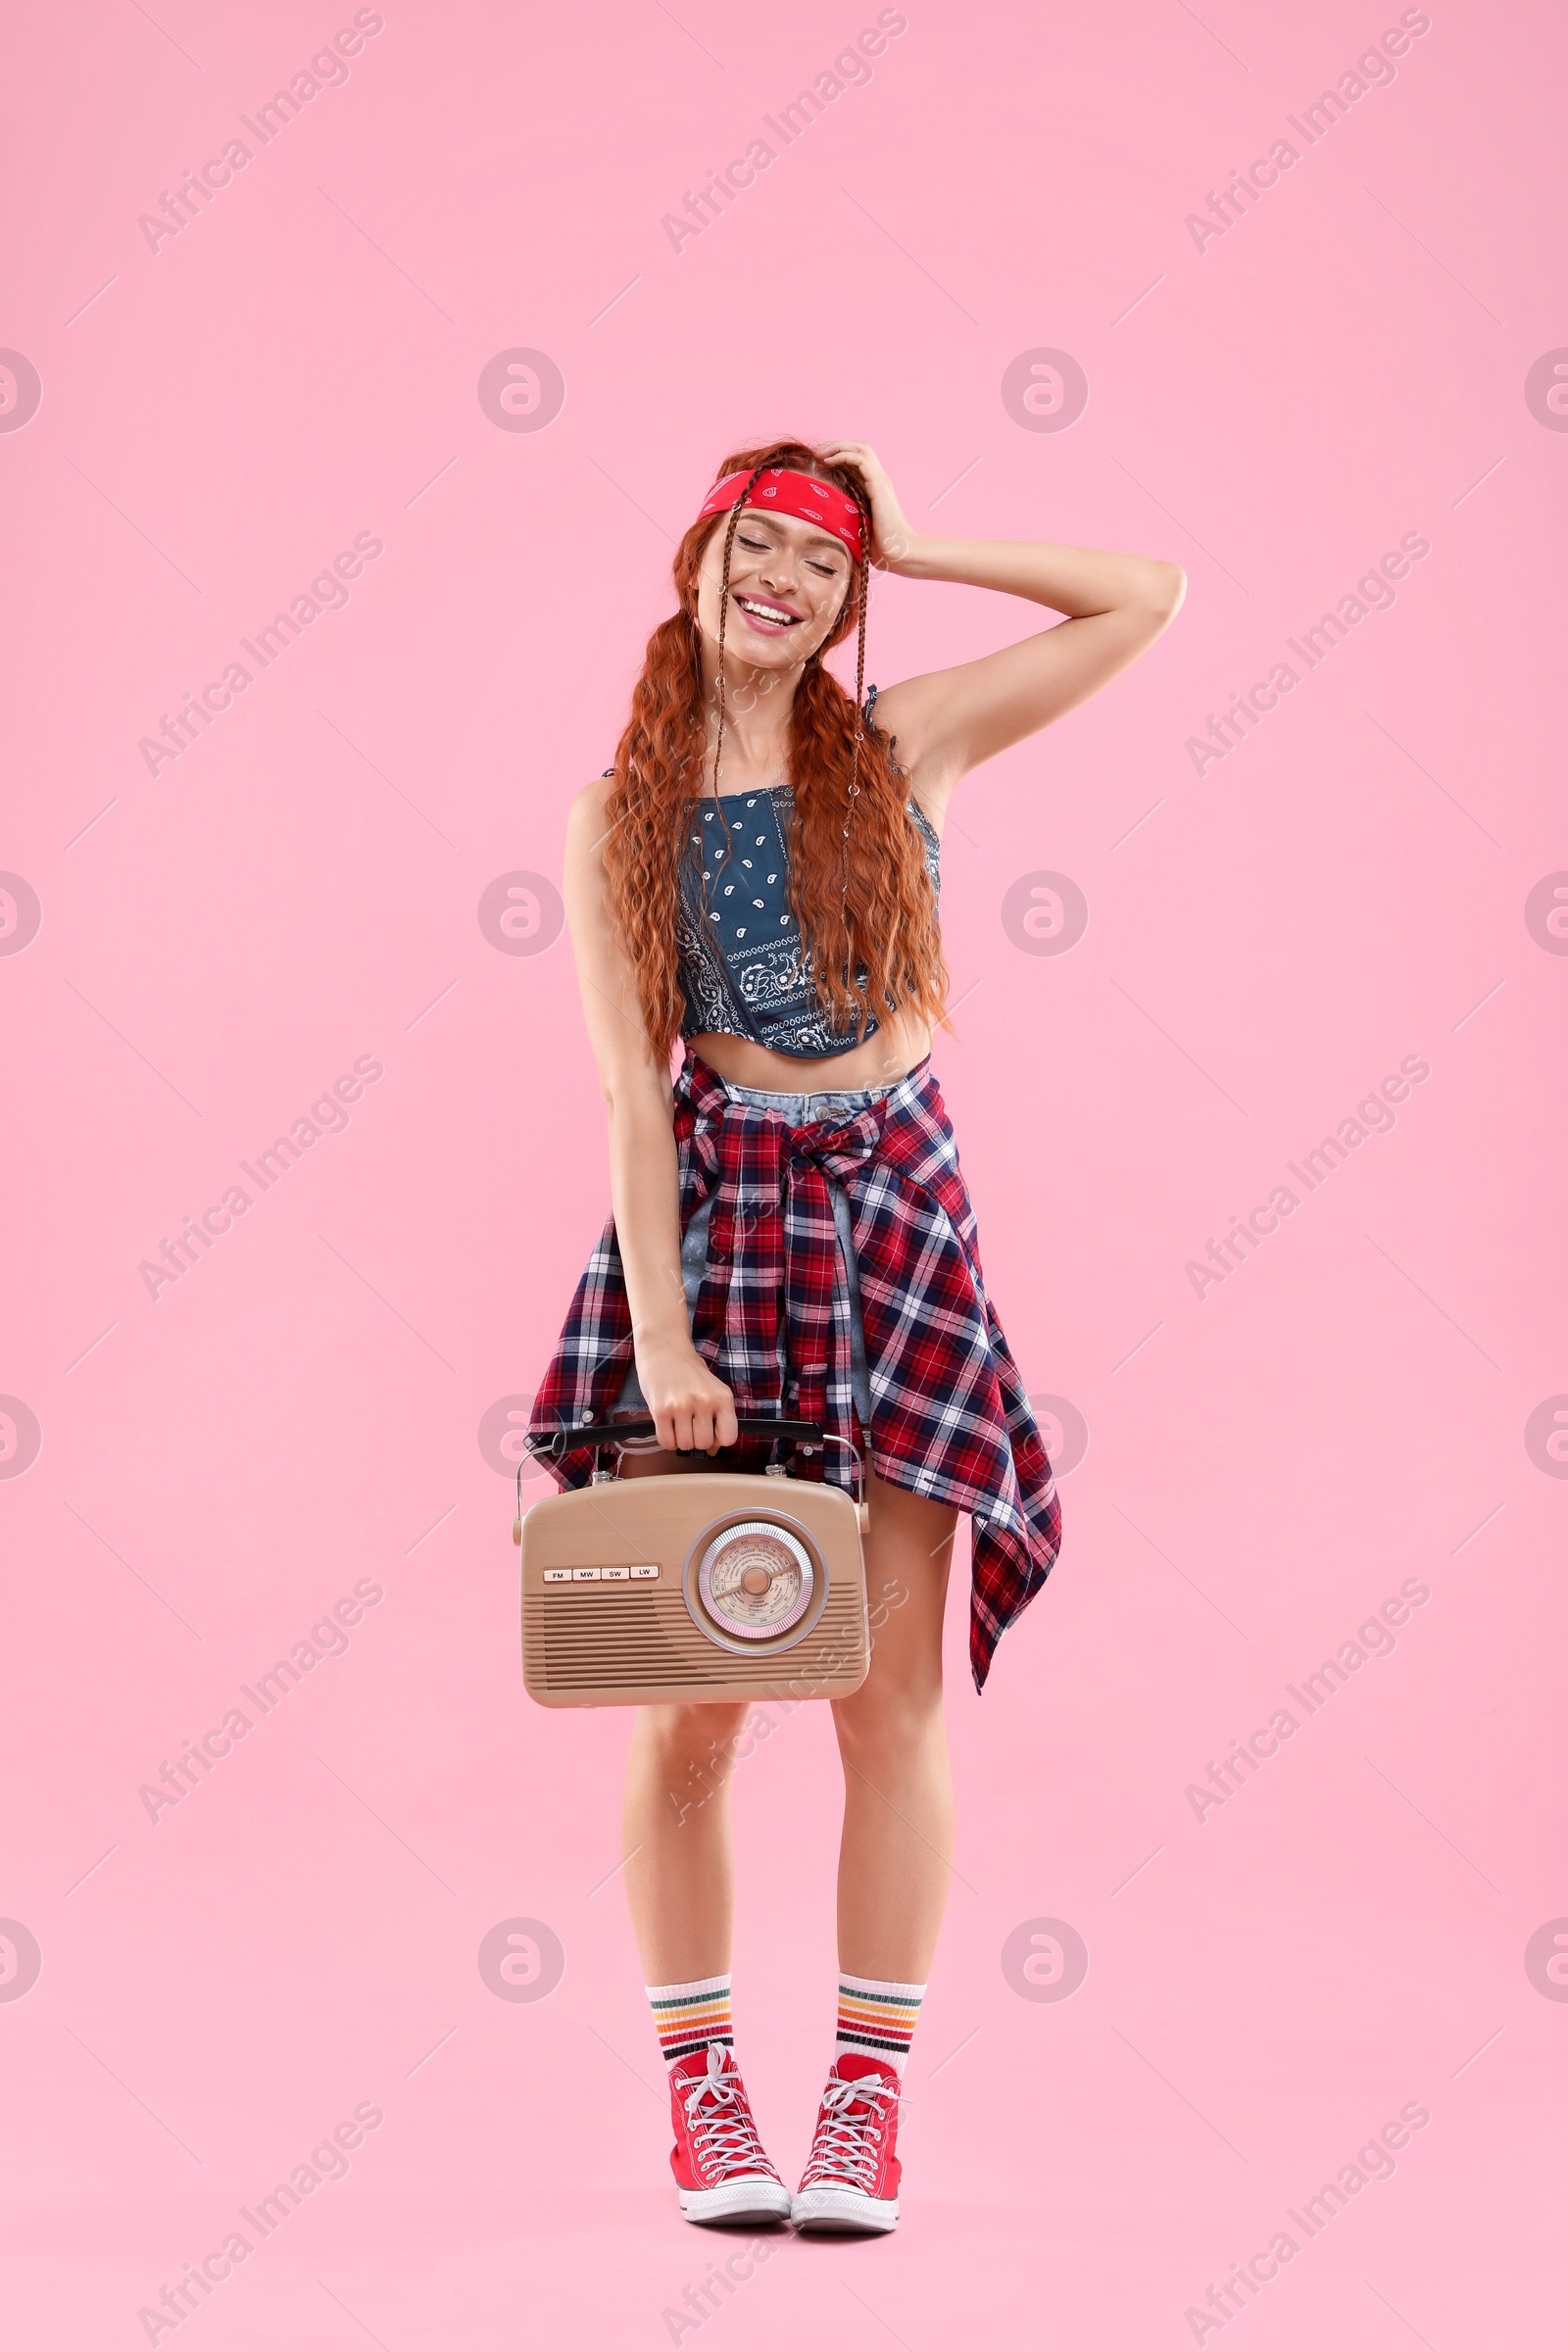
{"type": "Point", "coordinates": [763, 546]}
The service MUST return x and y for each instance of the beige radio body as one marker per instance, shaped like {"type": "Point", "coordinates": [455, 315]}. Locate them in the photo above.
{"type": "Point", "coordinates": [718, 1587]}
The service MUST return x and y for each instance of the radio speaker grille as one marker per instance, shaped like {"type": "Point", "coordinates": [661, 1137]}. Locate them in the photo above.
{"type": "Point", "coordinates": [644, 1644]}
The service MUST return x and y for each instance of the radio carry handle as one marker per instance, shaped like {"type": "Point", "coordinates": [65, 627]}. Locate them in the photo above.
{"type": "Point", "coordinates": [808, 1434]}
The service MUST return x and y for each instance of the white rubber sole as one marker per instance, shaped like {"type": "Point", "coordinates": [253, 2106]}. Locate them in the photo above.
{"type": "Point", "coordinates": [757, 2200]}
{"type": "Point", "coordinates": [828, 2207]}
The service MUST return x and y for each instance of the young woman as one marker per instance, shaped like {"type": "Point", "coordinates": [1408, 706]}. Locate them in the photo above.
{"type": "Point", "coordinates": [758, 877]}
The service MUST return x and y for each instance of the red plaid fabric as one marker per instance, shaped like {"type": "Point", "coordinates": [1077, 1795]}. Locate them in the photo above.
{"type": "Point", "coordinates": [948, 1414]}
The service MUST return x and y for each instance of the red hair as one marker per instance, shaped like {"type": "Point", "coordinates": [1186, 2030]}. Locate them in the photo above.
{"type": "Point", "coordinates": [863, 898]}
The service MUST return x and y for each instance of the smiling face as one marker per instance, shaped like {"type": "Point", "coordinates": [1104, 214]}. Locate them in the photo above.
{"type": "Point", "coordinates": [788, 583]}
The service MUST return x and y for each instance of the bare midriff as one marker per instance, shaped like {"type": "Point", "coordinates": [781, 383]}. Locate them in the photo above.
{"type": "Point", "coordinates": [899, 1046]}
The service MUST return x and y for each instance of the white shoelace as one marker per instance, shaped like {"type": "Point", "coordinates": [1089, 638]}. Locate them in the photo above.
{"type": "Point", "coordinates": [847, 2146]}
{"type": "Point", "coordinates": [723, 2135]}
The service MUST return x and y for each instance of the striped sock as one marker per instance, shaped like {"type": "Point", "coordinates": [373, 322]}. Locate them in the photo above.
{"type": "Point", "coordinates": [877, 2018]}
{"type": "Point", "coordinates": [691, 2015]}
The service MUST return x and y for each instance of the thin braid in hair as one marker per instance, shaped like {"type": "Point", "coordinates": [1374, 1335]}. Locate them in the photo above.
{"type": "Point", "coordinates": [852, 793]}
{"type": "Point", "coordinates": [723, 616]}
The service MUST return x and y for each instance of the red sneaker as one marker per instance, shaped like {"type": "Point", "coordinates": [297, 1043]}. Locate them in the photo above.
{"type": "Point", "coordinates": [721, 2167]}
{"type": "Point", "coordinates": [851, 2182]}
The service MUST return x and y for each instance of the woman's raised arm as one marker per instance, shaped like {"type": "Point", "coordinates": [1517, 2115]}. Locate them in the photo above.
{"type": "Point", "coordinates": [950, 721]}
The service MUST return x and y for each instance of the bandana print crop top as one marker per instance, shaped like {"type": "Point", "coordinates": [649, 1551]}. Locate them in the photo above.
{"type": "Point", "coordinates": [757, 958]}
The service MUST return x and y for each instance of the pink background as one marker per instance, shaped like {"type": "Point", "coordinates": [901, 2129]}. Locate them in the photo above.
{"type": "Point", "coordinates": [300, 1410]}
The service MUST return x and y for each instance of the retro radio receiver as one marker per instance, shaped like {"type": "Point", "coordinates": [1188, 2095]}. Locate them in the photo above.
{"type": "Point", "coordinates": [701, 1584]}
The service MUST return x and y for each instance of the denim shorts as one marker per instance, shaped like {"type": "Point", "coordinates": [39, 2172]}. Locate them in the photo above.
{"type": "Point", "coordinates": [800, 1110]}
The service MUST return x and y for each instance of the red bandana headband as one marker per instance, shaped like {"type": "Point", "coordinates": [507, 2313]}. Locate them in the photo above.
{"type": "Point", "coordinates": [789, 493]}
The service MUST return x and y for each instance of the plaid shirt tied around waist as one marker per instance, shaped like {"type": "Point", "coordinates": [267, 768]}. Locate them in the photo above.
{"type": "Point", "coordinates": [772, 1320]}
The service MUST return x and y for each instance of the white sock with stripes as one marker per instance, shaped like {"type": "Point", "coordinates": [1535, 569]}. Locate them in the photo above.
{"type": "Point", "coordinates": [691, 2015]}
{"type": "Point", "coordinates": [876, 2019]}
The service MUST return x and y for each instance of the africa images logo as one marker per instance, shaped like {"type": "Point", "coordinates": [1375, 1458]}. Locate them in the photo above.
{"type": "Point", "coordinates": [328, 1115]}
{"type": "Point", "coordinates": [850, 70]}
{"type": "Point", "coordinates": [20, 1960]}
{"type": "Point", "coordinates": [1373, 1115]}
{"type": "Point", "coordinates": [329, 70]}
{"type": "Point", "coordinates": [1373, 593]}
{"type": "Point", "coordinates": [21, 391]}
{"type": "Point", "coordinates": [326, 593]}
{"type": "Point", "coordinates": [521, 390]}
{"type": "Point", "coordinates": [1374, 70]}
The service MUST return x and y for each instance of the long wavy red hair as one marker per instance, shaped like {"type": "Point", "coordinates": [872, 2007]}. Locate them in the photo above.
{"type": "Point", "coordinates": [862, 897]}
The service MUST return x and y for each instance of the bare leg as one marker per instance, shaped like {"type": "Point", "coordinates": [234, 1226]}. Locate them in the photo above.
{"type": "Point", "coordinates": [680, 1877]}
{"type": "Point", "coordinates": [894, 1857]}
{"type": "Point", "coordinates": [895, 1853]}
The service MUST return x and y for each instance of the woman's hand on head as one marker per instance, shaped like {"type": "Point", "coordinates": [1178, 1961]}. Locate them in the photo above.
{"type": "Point", "coordinates": [693, 1410]}
{"type": "Point", "coordinates": [891, 536]}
